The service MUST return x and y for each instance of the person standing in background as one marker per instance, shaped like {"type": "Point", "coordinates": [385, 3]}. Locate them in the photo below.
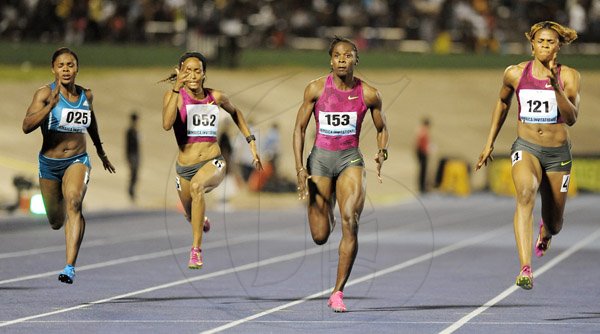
{"type": "Point", "coordinates": [422, 147]}
{"type": "Point", "coordinates": [132, 146]}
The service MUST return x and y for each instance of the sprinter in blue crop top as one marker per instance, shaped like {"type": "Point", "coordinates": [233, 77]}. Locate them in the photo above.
{"type": "Point", "coordinates": [64, 113]}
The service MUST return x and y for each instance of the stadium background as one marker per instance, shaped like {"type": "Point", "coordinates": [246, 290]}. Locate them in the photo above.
{"type": "Point", "coordinates": [444, 60]}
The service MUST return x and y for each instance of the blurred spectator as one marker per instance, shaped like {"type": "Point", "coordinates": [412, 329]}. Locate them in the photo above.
{"type": "Point", "coordinates": [243, 157]}
{"type": "Point", "coordinates": [428, 11]}
{"type": "Point", "coordinates": [577, 17]}
{"type": "Point", "coordinates": [302, 22]}
{"type": "Point", "coordinates": [594, 21]}
{"type": "Point", "coordinates": [271, 180]}
{"type": "Point", "coordinates": [271, 146]}
{"type": "Point", "coordinates": [232, 28]}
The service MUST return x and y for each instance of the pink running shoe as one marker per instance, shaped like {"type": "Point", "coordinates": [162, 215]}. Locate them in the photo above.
{"type": "Point", "coordinates": [195, 258]}
{"type": "Point", "coordinates": [336, 303]}
{"type": "Point", "coordinates": [542, 244]}
{"type": "Point", "coordinates": [525, 278]}
{"type": "Point", "coordinates": [206, 226]}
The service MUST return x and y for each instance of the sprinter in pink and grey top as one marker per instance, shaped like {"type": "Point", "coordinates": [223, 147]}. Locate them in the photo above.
{"type": "Point", "coordinates": [548, 98]}
{"type": "Point", "coordinates": [192, 111]}
{"type": "Point", "coordinates": [198, 120]}
{"type": "Point", "coordinates": [339, 115]}
{"type": "Point", "coordinates": [335, 168]}
{"type": "Point", "coordinates": [536, 98]}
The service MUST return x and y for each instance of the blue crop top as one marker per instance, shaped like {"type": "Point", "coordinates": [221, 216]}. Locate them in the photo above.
{"type": "Point", "coordinates": [67, 116]}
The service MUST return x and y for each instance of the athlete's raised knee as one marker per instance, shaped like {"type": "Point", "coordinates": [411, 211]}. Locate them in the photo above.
{"type": "Point", "coordinates": [56, 218]}
{"type": "Point", "coordinates": [321, 239]}
{"type": "Point", "coordinates": [555, 228]}
{"type": "Point", "coordinates": [197, 188]}
{"type": "Point", "coordinates": [56, 224]}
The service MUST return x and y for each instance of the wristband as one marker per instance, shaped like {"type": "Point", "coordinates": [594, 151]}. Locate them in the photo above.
{"type": "Point", "coordinates": [250, 138]}
{"type": "Point", "coordinates": [175, 91]}
{"type": "Point", "coordinates": [385, 153]}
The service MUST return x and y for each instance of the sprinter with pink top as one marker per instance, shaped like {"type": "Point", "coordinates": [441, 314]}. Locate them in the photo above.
{"type": "Point", "coordinates": [192, 111]}
{"type": "Point", "coordinates": [335, 167]}
{"type": "Point", "coordinates": [548, 100]}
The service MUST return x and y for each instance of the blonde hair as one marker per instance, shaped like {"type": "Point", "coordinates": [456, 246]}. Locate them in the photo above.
{"type": "Point", "coordinates": [566, 35]}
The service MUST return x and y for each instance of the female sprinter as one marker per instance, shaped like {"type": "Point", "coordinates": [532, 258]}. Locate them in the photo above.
{"type": "Point", "coordinates": [548, 99]}
{"type": "Point", "coordinates": [192, 111]}
{"type": "Point", "coordinates": [335, 167]}
{"type": "Point", "coordinates": [64, 112]}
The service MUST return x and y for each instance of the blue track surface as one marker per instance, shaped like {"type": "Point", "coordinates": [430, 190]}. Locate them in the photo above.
{"type": "Point", "coordinates": [438, 265]}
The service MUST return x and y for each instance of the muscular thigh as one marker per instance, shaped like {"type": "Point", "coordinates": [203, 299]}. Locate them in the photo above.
{"type": "Point", "coordinates": [351, 190]}
{"type": "Point", "coordinates": [526, 172]}
{"type": "Point", "coordinates": [53, 199]}
{"type": "Point", "coordinates": [320, 190]}
{"type": "Point", "coordinates": [75, 181]}
{"type": "Point", "coordinates": [210, 175]}
{"type": "Point", "coordinates": [183, 191]}
{"type": "Point", "coordinates": [554, 188]}
{"type": "Point", "coordinates": [320, 207]}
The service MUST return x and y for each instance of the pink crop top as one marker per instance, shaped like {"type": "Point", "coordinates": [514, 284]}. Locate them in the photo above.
{"type": "Point", "coordinates": [537, 99]}
{"type": "Point", "coordinates": [197, 120]}
{"type": "Point", "coordinates": [339, 115]}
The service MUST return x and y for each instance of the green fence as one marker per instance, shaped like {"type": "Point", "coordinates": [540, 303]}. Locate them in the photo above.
{"type": "Point", "coordinates": [115, 55]}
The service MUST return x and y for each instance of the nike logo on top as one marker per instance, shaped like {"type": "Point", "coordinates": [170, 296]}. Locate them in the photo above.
{"type": "Point", "coordinates": [565, 163]}
{"type": "Point", "coordinates": [548, 85]}
{"type": "Point", "coordinates": [352, 97]}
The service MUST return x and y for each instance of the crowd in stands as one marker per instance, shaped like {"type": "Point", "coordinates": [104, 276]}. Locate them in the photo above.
{"type": "Point", "coordinates": [479, 25]}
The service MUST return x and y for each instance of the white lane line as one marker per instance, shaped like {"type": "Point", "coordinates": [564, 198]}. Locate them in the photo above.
{"type": "Point", "coordinates": [562, 256]}
{"type": "Point", "coordinates": [149, 256]}
{"type": "Point", "coordinates": [248, 266]}
{"type": "Point", "coordinates": [411, 262]}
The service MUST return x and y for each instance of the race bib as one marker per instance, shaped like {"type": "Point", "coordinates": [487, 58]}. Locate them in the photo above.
{"type": "Point", "coordinates": [538, 106]}
{"type": "Point", "coordinates": [337, 123]}
{"type": "Point", "coordinates": [202, 120]}
{"type": "Point", "coordinates": [75, 120]}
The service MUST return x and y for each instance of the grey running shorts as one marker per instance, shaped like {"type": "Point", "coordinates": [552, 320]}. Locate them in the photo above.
{"type": "Point", "coordinates": [552, 159]}
{"type": "Point", "coordinates": [188, 172]}
{"type": "Point", "coordinates": [322, 162]}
